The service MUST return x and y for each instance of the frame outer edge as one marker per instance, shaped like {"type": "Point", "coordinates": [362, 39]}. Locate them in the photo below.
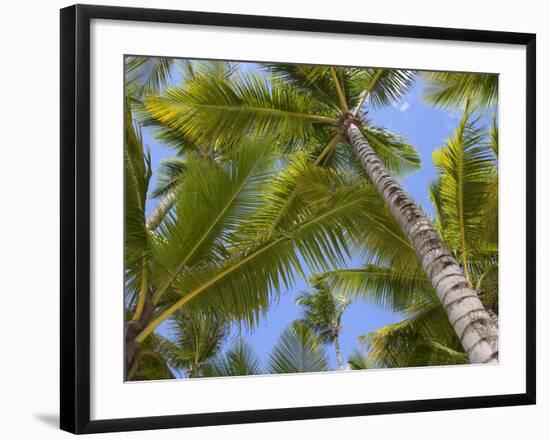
{"type": "Point", "coordinates": [75, 218]}
{"type": "Point", "coordinates": [67, 224]}
{"type": "Point", "coordinates": [531, 197]}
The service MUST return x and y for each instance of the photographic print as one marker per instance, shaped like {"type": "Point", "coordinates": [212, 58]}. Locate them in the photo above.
{"type": "Point", "coordinates": [305, 218]}
{"type": "Point", "coordinates": [290, 218]}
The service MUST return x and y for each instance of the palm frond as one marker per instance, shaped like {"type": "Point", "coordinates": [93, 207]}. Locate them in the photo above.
{"type": "Point", "coordinates": [311, 79]}
{"type": "Point", "coordinates": [152, 367]}
{"type": "Point", "coordinates": [487, 286]}
{"type": "Point", "coordinates": [455, 89]}
{"type": "Point", "coordinates": [424, 338]}
{"type": "Point", "coordinates": [395, 288]}
{"type": "Point", "coordinates": [297, 350]}
{"type": "Point", "coordinates": [385, 86]}
{"type": "Point", "coordinates": [491, 200]}
{"type": "Point", "coordinates": [210, 109]}
{"type": "Point", "coordinates": [466, 167]}
{"type": "Point", "coordinates": [190, 69]}
{"type": "Point", "coordinates": [169, 175]}
{"type": "Point", "coordinates": [219, 198]}
{"type": "Point", "coordinates": [243, 284]}
{"type": "Point", "coordinates": [153, 364]}
{"type": "Point", "coordinates": [147, 74]}
{"type": "Point", "coordinates": [399, 157]}
{"type": "Point", "coordinates": [381, 238]}
{"type": "Point", "coordinates": [197, 337]}
{"type": "Point", "coordinates": [359, 361]}
{"type": "Point", "coordinates": [239, 360]}
{"type": "Point", "coordinates": [322, 311]}
{"type": "Point", "coordinates": [137, 173]}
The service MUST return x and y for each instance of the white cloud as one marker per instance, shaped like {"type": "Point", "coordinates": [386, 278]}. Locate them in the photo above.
{"type": "Point", "coordinates": [404, 107]}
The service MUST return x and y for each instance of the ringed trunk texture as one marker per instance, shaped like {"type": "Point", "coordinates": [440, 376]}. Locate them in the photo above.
{"type": "Point", "coordinates": [338, 354]}
{"type": "Point", "coordinates": [162, 208]}
{"type": "Point", "coordinates": [472, 323]}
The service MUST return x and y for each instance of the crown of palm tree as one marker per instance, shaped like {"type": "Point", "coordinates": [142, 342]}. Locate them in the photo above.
{"type": "Point", "coordinates": [321, 311]}
{"type": "Point", "coordinates": [249, 213]}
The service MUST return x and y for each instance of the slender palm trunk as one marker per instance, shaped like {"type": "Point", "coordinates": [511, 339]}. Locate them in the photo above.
{"type": "Point", "coordinates": [338, 353]}
{"type": "Point", "coordinates": [162, 208]}
{"type": "Point", "coordinates": [472, 323]}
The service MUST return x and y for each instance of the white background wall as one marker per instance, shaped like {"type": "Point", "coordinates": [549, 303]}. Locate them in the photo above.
{"type": "Point", "coordinates": [29, 206]}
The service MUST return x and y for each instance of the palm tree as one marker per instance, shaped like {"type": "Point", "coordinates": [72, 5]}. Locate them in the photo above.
{"type": "Point", "coordinates": [231, 241]}
{"type": "Point", "coordinates": [466, 217]}
{"type": "Point", "coordinates": [307, 101]}
{"type": "Point", "coordinates": [322, 313]}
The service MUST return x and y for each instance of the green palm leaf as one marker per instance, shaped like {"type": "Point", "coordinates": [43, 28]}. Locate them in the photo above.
{"type": "Point", "coordinates": [322, 311]}
{"type": "Point", "coordinates": [381, 238]}
{"type": "Point", "coordinates": [191, 69]}
{"type": "Point", "coordinates": [395, 288]}
{"type": "Point", "coordinates": [455, 89]}
{"type": "Point", "coordinates": [239, 360]}
{"type": "Point", "coordinates": [317, 81]}
{"type": "Point", "coordinates": [153, 364]}
{"type": "Point", "coordinates": [245, 281]}
{"type": "Point", "coordinates": [466, 168]}
{"type": "Point", "coordinates": [385, 85]}
{"type": "Point", "coordinates": [219, 199]}
{"type": "Point", "coordinates": [490, 206]}
{"type": "Point", "coordinates": [297, 350]}
{"type": "Point", "coordinates": [359, 361]}
{"type": "Point", "coordinates": [137, 173]}
{"type": "Point", "coordinates": [241, 285]}
{"type": "Point", "coordinates": [211, 109]}
{"type": "Point", "coordinates": [147, 74]}
{"type": "Point", "coordinates": [197, 338]}
{"type": "Point", "coordinates": [425, 338]}
{"type": "Point", "coordinates": [399, 157]}
{"type": "Point", "coordinates": [169, 176]}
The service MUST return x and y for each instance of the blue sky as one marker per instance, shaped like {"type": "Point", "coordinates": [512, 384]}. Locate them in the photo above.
{"type": "Point", "coordinates": [421, 125]}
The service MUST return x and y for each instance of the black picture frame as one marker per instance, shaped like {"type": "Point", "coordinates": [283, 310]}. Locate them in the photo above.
{"type": "Point", "coordinates": [75, 217]}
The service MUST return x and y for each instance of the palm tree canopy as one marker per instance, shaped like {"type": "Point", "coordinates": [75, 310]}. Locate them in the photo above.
{"type": "Point", "coordinates": [266, 190]}
{"type": "Point", "coordinates": [253, 214]}
{"type": "Point", "coordinates": [321, 310]}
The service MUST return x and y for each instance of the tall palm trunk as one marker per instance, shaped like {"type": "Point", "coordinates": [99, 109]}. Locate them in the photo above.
{"type": "Point", "coordinates": [162, 208]}
{"type": "Point", "coordinates": [338, 353]}
{"type": "Point", "coordinates": [472, 323]}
